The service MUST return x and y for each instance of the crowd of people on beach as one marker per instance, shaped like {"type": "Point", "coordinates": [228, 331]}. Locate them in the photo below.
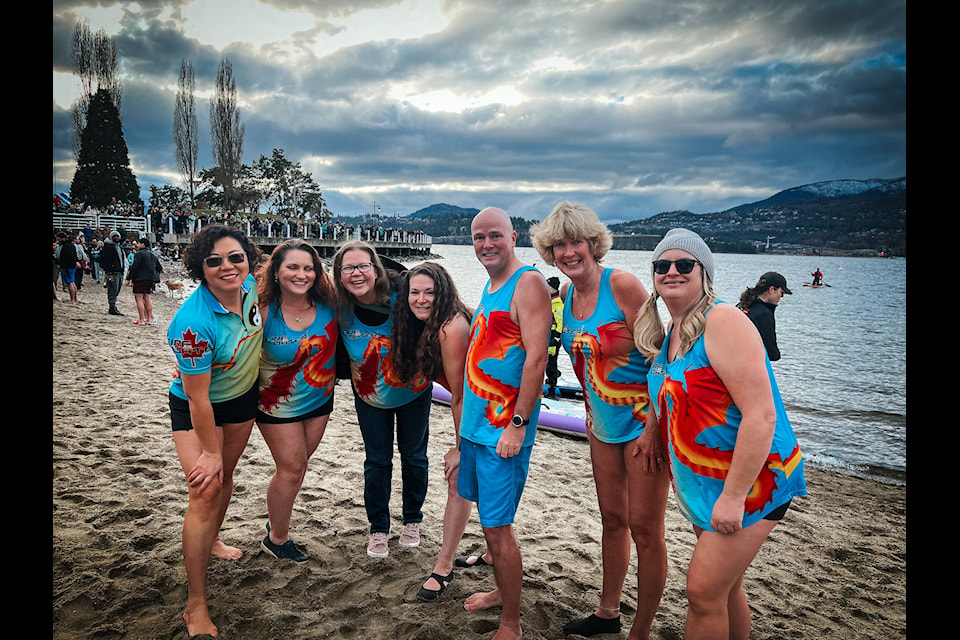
{"type": "Point", "coordinates": [111, 258]}
{"type": "Point", "coordinates": [694, 404]}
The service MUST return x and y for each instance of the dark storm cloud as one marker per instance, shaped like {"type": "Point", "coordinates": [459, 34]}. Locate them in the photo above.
{"type": "Point", "coordinates": [637, 107]}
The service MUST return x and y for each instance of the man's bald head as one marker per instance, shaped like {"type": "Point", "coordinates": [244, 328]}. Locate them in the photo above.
{"type": "Point", "coordinates": [494, 240]}
{"type": "Point", "coordinates": [495, 216]}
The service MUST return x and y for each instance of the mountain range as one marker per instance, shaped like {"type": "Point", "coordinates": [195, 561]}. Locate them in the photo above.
{"type": "Point", "coordinates": [841, 215]}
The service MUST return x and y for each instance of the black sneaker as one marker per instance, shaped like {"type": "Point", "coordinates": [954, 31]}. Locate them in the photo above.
{"type": "Point", "coordinates": [286, 550]}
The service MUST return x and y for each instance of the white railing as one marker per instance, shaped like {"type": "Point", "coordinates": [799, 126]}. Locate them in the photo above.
{"type": "Point", "coordinates": [100, 221]}
{"type": "Point", "coordinates": [78, 221]}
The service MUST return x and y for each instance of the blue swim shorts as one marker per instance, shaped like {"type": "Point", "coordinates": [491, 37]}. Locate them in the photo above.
{"type": "Point", "coordinates": [69, 276]}
{"type": "Point", "coordinates": [494, 483]}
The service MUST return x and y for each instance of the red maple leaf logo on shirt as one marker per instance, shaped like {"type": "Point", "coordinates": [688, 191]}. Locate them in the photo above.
{"type": "Point", "coordinates": [189, 347]}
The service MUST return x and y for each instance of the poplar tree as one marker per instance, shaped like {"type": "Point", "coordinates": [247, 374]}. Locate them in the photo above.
{"type": "Point", "coordinates": [226, 133]}
{"type": "Point", "coordinates": [185, 128]}
{"type": "Point", "coordinates": [94, 57]}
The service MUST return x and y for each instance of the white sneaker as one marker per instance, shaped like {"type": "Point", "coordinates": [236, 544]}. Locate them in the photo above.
{"type": "Point", "coordinates": [410, 536]}
{"type": "Point", "coordinates": [377, 548]}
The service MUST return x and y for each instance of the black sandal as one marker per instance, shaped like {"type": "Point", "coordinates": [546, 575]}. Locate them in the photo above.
{"type": "Point", "coordinates": [464, 561]}
{"type": "Point", "coordinates": [429, 595]}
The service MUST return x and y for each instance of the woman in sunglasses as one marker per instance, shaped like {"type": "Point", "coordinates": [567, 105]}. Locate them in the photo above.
{"type": "Point", "coordinates": [384, 403]}
{"type": "Point", "coordinates": [431, 329]}
{"type": "Point", "coordinates": [734, 459]}
{"type": "Point", "coordinates": [215, 336]}
{"type": "Point", "coordinates": [297, 377]}
{"type": "Point", "coordinates": [599, 310]}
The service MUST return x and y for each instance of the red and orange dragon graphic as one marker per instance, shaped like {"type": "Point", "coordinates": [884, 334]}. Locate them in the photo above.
{"type": "Point", "coordinates": [492, 339]}
{"type": "Point", "coordinates": [376, 358]}
{"type": "Point", "coordinates": [688, 419]}
{"type": "Point", "coordinates": [313, 355]}
{"type": "Point", "coordinates": [600, 369]}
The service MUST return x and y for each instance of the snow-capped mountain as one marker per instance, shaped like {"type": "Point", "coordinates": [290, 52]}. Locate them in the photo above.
{"type": "Point", "coordinates": [830, 189]}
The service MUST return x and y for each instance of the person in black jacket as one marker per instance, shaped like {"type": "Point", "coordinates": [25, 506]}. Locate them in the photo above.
{"type": "Point", "coordinates": [112, 262]}
{"type": "Point", "coordinates": [144, 273]}
{"type": "Point", "coordinates": [760, 302]}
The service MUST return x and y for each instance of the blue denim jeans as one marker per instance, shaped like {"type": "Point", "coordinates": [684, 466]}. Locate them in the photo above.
{"type": "Point", "coordinates": [377, 428]}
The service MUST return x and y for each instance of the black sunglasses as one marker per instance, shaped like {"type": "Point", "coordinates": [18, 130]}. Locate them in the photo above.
{"type": "Point", "coordinates": [684, 265]}
{"type": "Point", "coordinates": [214, 261]}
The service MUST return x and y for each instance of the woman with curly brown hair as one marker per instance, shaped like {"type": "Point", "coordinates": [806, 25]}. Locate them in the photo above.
{"type": "Point", "coordinates": [216, 337]}
{"type": "Point", "coordinates": [297, 377]}
{"type": "Point", "coordinates": [431, 329]}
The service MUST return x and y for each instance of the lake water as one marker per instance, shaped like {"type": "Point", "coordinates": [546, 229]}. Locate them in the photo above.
{"type": "Point", "coordinates": [842, 372]}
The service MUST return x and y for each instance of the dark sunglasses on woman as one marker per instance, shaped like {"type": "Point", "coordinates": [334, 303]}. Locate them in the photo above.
{"type": "Point", "coordinates": [214, 261]}
{"type": "Point", "coordinates": [684, 265]}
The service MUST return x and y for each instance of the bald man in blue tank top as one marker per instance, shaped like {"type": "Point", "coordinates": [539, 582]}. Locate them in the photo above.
{"type": "Point", "coordinates": [506, 360]}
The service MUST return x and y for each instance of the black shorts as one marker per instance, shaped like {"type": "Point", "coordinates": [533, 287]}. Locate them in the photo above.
{"type": "Point", "coordinates": [779, 512]}
{"type": "Point", "coordinates": [323, 410]}
{"type": "Point", "coordinates": [233, 411]}
{"type": "Point", "coordinates": [143, 286]}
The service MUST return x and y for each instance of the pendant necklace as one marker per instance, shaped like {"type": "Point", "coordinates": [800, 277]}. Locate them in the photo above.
{"type": "Point", "coordinates": [297, 318]}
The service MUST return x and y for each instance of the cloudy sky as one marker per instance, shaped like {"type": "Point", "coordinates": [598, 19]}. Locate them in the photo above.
{"type": "Point", "coordinates": [631, 107]}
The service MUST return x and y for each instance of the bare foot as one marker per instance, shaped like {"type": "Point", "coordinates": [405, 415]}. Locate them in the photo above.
{"type": "Point", "coordinates": [483, 600]}
{"type": "Point", "coordinates": [199, 623]}
{"type": "Point", "coordinates": [506, 633]}
{"type": "Point", "coordinates": [220, 550]}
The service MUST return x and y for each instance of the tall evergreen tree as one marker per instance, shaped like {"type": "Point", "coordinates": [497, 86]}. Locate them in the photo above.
{"type": "Point", "coordinates": [103, 166]}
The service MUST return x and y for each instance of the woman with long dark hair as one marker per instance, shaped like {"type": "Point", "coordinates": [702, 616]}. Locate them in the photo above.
{"type": "Point", "coordinates": [431, 330]}
{"type": "Point", "coordinates": [297, 377]}
{"type": "Point", "coordinates": [385, 405]}
{"type": "Point", "coordinates": [215, 336]}
{"type": "Point", "coordinates": [760, 302]}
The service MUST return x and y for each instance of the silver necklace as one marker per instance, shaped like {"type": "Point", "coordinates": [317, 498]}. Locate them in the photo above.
{"type": "Point", "coordinates": [297, 318]}
{"type": "Point", "coordinates": [581, 298]}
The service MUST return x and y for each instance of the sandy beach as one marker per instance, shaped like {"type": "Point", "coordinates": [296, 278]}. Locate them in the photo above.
{"type": "Point", "coordinates": [835, 568]}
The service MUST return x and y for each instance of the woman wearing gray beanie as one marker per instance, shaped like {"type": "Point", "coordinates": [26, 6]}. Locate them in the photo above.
{"type": "Point", "coordinates": [734, 459]}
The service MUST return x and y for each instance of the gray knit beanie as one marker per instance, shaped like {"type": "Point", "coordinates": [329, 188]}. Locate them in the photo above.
{"type": "Point", "coordinates": [688, 241]}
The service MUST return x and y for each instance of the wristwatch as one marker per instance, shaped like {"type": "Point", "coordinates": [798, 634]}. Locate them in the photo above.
{"type": "Point", "coordinates": [519, 421]}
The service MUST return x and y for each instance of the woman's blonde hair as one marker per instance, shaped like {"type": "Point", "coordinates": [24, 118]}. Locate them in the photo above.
{"type": "Point", "coordinates": [573, 221]}
{"type": "Point", "coordinates": [648, 329]}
